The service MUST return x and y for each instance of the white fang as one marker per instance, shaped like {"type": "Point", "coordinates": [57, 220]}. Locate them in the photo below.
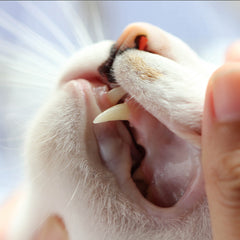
{"type": "Point", "coordinates": [115, 113]}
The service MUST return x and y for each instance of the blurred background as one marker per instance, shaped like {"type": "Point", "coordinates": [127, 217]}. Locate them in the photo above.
{"type": "Point", "coordinates": [36, 38]}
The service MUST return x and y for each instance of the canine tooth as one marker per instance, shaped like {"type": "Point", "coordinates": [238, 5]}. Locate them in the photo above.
{"type": "Point", "coordinates": [117, 112]}
{"type": "Point", "coordinates": [116, 94]}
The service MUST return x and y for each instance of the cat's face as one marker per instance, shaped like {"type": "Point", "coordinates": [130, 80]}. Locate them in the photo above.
{"type": "Point", "coordinates": [135, 179]}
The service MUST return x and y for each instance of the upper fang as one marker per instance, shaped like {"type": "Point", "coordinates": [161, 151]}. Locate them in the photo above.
{"type": "Point", "coordinates": [115, 113]}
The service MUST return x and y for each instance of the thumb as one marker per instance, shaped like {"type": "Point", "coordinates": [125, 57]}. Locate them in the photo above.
{"type": "Point", "coordinates": [221, 151]}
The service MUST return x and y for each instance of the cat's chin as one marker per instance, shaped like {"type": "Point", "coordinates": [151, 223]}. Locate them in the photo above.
{"type": "Point", "coordinates": [154, 168]}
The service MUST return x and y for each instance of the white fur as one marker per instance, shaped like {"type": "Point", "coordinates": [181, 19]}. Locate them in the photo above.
{"type": "Point", "coordinates": [65, 175]}
{"type": "Point", "coordinates": [176, 97]}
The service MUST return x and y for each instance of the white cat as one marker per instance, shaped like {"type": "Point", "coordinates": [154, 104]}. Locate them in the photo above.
{"type": "Point", "coordinates": [134, 179]}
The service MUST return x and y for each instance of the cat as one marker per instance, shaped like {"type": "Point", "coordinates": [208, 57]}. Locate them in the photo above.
{"type": "Point", "coordinates": [115, 152]}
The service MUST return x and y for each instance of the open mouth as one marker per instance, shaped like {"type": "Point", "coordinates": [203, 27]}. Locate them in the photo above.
{"type": "Point", "coordinates": [152, 147]}
{"type": "Point", "coordinates": [153, 165]}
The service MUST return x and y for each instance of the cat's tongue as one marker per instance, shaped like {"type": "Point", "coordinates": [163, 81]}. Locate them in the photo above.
{"type": "Point", "coordinates": [167, 168]}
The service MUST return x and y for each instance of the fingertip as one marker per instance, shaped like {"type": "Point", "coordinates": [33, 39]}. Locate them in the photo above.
{"type": "Point", "coordinates": [233, 52]}
{"type": "Point", "coordinates": [52, 229]}
{"type": "Point", "coordinates": [209, 116]}
{"type": "Point", "coordinates": [226, 93]}
{"type": "Point", "coordinates": [222, 108]}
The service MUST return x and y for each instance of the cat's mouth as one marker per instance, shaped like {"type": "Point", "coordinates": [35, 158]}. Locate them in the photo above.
{"type": "Point", "coordinates": [144, 154]}
{"type": "Point", "coordinates": [155, 167]}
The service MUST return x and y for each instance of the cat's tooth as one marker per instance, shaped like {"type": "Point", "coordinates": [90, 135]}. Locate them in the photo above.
{"type": "Point", "coordinates": [115, 113]}
{"type": "Point", "coordinates": [116, 94]}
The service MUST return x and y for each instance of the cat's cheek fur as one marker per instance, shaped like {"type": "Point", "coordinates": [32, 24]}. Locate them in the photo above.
{"type": "Point", "coordinates": [59, 161]}
{"type": "Point", "coordinates": [65, 176]}
{"type": "Point", "coordinates": [66, 179]}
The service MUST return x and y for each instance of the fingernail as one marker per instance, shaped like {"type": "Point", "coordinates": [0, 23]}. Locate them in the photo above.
{"type": "Point", "coordinates": [226, 95]}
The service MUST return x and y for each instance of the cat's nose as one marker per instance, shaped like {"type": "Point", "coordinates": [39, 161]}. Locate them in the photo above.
{"type": "Point", "coordinates": [143, 36]}
{"type": "Point", "coordinates": [128, 38]}
{"type": "Point", "coordinates": [158, 42]}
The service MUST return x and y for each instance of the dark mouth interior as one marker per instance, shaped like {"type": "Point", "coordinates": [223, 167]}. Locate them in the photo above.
{"type": "Point", "coordinates": [137, 155]}
{"type": "Point", "coordinates": [162, 190]}
{"type": "Point", "coordinates": [143, 184]}
{"type": "Point", "coordinates": [160, 184]}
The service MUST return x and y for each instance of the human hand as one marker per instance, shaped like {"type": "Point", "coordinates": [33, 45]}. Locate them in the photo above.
{"type": "Point", "coordinates": [52, 229]}
{"type": "Point", "coordinates": [221, 147]}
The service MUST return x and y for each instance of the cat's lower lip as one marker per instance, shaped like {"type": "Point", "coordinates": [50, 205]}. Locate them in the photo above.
{"type": "Point", "coordinates": [192, 195]}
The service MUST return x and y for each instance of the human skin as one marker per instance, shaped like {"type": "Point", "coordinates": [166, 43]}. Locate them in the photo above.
{"type": "Point", "coordinates": [223, 196]}
{"type": "Point", "coordinates": [221, 152]}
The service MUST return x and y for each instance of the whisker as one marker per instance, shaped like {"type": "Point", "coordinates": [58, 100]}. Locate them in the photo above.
{"type": "Point", "coordinates": [32, 39]}
{"type": "Point", "coordinates": [49, 162]}
{"type": "Point", "coordinates": [77, 25]}
{"type": "Point", "coordinates": [50, 25]}
{"type": "Point", "coordinates": [74, 193]}
{"type": "Point", "coordinates": [26, 56]}
{"type": "Point", "coordinates": [97, 21]}
{"type": "Point", "coordinates": [21, 67]}
{"type": "Point", "coordinates": [16, 84]}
